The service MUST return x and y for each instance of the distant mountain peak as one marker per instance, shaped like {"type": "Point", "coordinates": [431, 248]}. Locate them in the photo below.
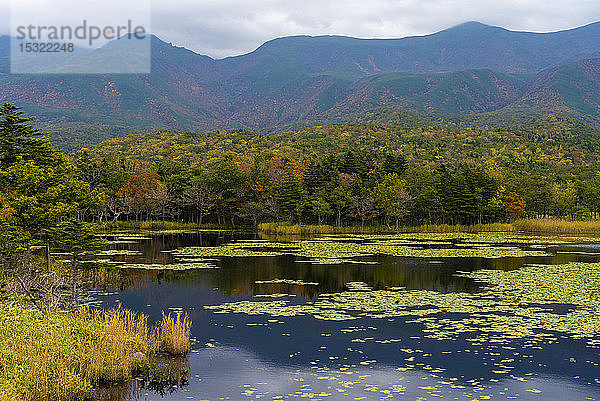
{"type": "Point", "coordinates": [471, 25]}
{"type": "Point", "coordinates": [469, 28]}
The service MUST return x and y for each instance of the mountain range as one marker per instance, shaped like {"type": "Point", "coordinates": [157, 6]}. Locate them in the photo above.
{"type": "Point", "coordinates": [302, 80]}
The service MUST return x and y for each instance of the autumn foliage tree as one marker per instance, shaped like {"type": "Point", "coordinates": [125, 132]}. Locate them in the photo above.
{"type": "Point", "coordinates": [514, 205]}
{"type": "Point", "coordinates": [143, 193]}
{"type": "Point", "coordinates": [393, 198]}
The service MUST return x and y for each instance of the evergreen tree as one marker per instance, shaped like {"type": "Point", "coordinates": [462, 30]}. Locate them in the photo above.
{"type": "Point", "coordinates": [18, 138]}
{"type": "Point", "coordinates": [39, 188]}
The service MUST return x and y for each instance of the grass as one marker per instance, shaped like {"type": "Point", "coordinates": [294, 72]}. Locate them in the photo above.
{"type": "Point", "coordinates": [150, 225]}
{"type": "Point", "coordinates": [295, 229]}
{"type": "Point", "coordinates": [459, 228]}
{"type": "Point", "coordinates": [126, 342]}
{"type": "Point", "coordinates": [543, 225]}
{"type": "Point", "coordinates": [55, 355]}
{"type": "Point", "coordinates": [550, 225]}
{"type": "Point", "coordinates": [175, 333]}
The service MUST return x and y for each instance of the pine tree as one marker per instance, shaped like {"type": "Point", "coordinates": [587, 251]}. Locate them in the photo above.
{"type": "Point", "coordinates": [18, 138]}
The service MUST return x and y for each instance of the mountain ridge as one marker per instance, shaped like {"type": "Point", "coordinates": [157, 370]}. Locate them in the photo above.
{"type": "Point", "coordinates": [470, 68]}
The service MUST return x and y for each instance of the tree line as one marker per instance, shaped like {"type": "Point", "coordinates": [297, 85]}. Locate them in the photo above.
{"type": "Point", "coordinates": [350, 188]}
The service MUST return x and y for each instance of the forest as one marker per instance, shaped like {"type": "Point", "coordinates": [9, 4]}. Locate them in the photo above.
{"type": "Point", "coordinates": [348, 175]}
{"type": "Point", "coordinates": [344, 189]}
{"type": "Point", "coordinates": [340, 175]}
{"type": "Point", "coordinates": [52, 345]}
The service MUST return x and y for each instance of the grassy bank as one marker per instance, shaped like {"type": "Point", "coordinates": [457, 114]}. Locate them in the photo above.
{"type": "Point", "coordinates": [557, 226]}
{"type": "Point", "coordinates": [153, 225]}
{"type": "Point", "coordinates": [295, 229]}
{"type": "Point", "coordinates": [546, 225]}
{"type": "Point", "coordinates": [523, 225]}
{"type": "Point", "coordinates": [55, 355]}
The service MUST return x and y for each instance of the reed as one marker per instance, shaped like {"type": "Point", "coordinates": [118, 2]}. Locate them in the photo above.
{"type": "Point", "coordinates": [126, 342]}
{"type": "Point", "coordinates": [175, 333]}
{"type": "Point", "coordinates": [145, 225]}
{"type": "Point", "coordinates": [452, 228]}
{"type": "Point", "coordinates": [295, 229]}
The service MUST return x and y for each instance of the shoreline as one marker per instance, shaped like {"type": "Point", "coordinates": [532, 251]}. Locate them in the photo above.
{"type": "Point", "coordinates": [525, 226]}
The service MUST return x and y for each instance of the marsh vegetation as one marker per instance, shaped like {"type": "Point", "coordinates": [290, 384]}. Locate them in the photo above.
{"type": "Point", "coordinates": [58, 355]}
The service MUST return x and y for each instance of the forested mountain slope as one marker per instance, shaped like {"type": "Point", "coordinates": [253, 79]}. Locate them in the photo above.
{"type": "Point", "coordinates": [468, 69]}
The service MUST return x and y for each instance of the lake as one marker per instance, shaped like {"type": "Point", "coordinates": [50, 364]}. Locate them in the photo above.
{"type": "Point", "coordinates": [284, 322]}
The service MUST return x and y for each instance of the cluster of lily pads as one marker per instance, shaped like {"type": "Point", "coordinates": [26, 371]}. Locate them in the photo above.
{"type": "Point", "coordinates": [336, 250]}
{"type": "Point", "coordinates": [354, 248]}
{"type": "Point", "coordinates": [514, 305]}
{"type": "Point", "coordinates": [169, 266]}
{"type": "Point", "coordinates": [118, 252]}
{"type": "Point", "coordinates": [285, 281]}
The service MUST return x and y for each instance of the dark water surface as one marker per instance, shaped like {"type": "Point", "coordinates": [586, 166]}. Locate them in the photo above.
{"type": "Point", "coordinates": [249, 357]}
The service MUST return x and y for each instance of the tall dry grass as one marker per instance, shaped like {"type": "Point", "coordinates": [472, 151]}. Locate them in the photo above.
{"type": "Point", "coordinates": [550, 225]}
{"type": "Point", "coordinates": [295, 229]}
{"type": "Point", "coordinates": [543, 225]}
{"type": "Point", "coordinates": [150, 225]}
{"type": "Point", "coordinates": [53, 355]}
{"type": "Point", "coordinates": [126, 343]}
{"type": "Point", "coordinates": [453, 228]}
{"type": "Point", "coordinates": [175, 333]}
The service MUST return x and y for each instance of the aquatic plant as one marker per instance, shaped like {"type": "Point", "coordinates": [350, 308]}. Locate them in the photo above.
{"type": "Point", "coordinates": [512, 306]}
{"type": "Point", "coordinates": [285, 281]}
{"type": "Point", "coordinates": [168, 266]}
{"type": "Point", "coordinates": [114, 252]}
{"type": "Point", "coordinates": [175, 333]}
{"type": "Point", "coordinates": [336, 250]}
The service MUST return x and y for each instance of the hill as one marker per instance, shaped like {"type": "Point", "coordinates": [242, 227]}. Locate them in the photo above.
{"type": "Point", "coordinates": [548, 144]}
{"type": "Point", "coordinates": [463, 92]}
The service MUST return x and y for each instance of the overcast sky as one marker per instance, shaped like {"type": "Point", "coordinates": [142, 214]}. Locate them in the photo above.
{"type": "Point", "coordinates": [222, 28]}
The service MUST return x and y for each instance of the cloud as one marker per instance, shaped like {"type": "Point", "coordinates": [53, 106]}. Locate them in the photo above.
{"type": "Point", "coordinates": [4, 17]}
{"type": "Point", "coordinates": [221, 28]}
{"type": "Point", "coordinates": [230, 27]}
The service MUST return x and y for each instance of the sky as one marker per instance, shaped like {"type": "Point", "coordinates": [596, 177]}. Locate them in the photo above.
{"type": "Point", "coordinates": [221, 28]}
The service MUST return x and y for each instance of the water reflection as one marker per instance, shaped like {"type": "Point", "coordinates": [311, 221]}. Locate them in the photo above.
{"type": "Point", "coordinates": [230, 373]}
{"type": "Point", "coordinates": [131, 391]}
{"type": "Point", "coordinates": [164, 376]}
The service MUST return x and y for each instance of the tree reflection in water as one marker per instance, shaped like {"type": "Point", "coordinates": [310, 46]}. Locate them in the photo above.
{"type": "Point", "coordinates": [166, 375]}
